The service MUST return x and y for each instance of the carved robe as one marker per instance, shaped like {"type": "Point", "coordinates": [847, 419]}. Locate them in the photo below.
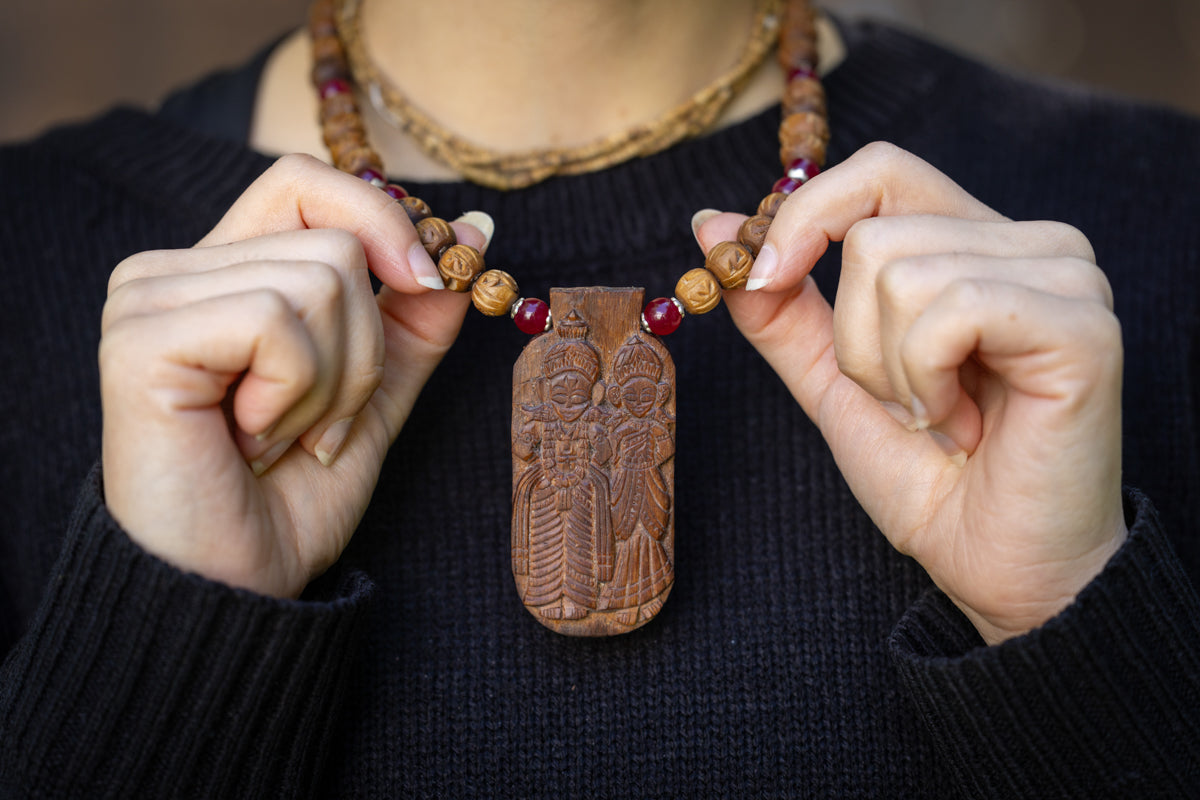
{"type": "Point", "coordinates": [561, 518]}
{"type": "Point", "coordinates": [641, 513]}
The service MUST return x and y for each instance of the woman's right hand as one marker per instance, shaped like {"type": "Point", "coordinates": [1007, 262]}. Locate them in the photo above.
{"type": "Point", "coordinates": [252, 385]}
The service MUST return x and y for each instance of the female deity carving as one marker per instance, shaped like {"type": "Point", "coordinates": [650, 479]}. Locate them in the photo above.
{"type": "Point", "coordinates": [641, 499]}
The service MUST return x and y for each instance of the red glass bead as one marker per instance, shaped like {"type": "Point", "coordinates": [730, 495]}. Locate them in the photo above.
{"type": "Point", "coordinates": [801, 72]}
{"type": "Point", "coordinates": [532, 316]}
{"type": "Point", "coordinates": [786, 185]}
{"type": "Point", "coordinates": [371, 176]}
{"type": "Point", "coordinates": [395, 191]}
{"type": "Point", "coordinates": [334, 86]}
{"type": "Point", "coordinates": [662, 316]}
{"type": "Point", "coordinates": [803, 169]}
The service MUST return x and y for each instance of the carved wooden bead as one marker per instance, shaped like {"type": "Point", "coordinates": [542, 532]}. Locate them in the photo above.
{"type": "Point", "coordinates": [342, 146]}
{"type": "Point", "coordinates": [804, 94]}
{"type": "Point", "coordinates": [770, 204]}
{"type": "Point", "coordinates": [320, 12]}
{"type": "Point", "coordinates": [802, 125]}
{"type": "Point", "coordinates": [320, 25]}
{"type": "Point", "coordinates": [698, 290]}
{"type": "Point", "coordinates": [812, 148]}
{"type": "Point", "coordinates": [337, 104]}
{"type": "Point", "coordinates": [459, 265]}
{"type": "Point", "coordinates": [416, 208]}
{"type": "Point", "coordinates": [326, 47]}
{"type": "Point", "coordinates": [359, 160]}
{"type": "Point", "coordinates": [494, 292]}
{"type": "Point", "coordinates": [327, 69]}
{"type": "Point", "coordinates": [753, 233]}
{"type": "Point", "coordinates": [731, 263]}
{"type": "Point", "coordinates": [436, 235]}
{"type": "Point", "coordinates": [798, 38]}
{"type": "Point", "coordinates": [338, 126]}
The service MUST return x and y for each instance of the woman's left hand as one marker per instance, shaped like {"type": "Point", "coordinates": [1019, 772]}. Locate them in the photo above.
{"type": "Point", "coordinates": [967, 378]}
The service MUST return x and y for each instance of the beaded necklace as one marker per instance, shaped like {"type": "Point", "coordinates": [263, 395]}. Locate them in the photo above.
{"type": "Point", "coordinates": [593, 401]}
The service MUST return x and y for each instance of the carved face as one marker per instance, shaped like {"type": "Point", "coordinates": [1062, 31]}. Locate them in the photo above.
{"type": "Point", "coordinates": [570, 394]}
{"type": "Point", "coordinates": [638, 395]}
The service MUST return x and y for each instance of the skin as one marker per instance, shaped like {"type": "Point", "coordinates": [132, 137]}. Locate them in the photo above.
{"type": "Point", "coordinates": [966, 376]}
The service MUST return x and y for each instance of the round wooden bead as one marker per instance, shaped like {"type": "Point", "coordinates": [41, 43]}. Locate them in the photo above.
{"type": "Point", "coordinates": [804, 134]}
{"type": "Point", "coordinates": [802, 126]}
{"type": "Point", "coordinates": [798, 39]}
{"type": "Point", "coordinates": [698, 290]}
{"type": "Point", "coordinates": [494, 292]}
{"type": "Point", "coordinates": [326, 47]}
{"type": "Point", "coordinates": [730, 262]}
{"type": "Point", "coordinates": [336, 104]}
{"type": "Point", "coordinates": [803, 94]}
{"type": "Point", "coordinates": [359, 160]}
{"type": "Point", "coordinates": [459, 265]}
{"type": "Point", "coordinates": [341, 125]}
{"type": "Point", "coordinates": [753, 233]}
{"type": "Point", "coordinates": [326, 69]}
{"type": "Point", "coordinates": [770, 204]}
{"type": "Point", "coordinates": [436, 235]}
{"type": "Point", "coordinates": [342, 146]}
{"type": "Point", "coordinates": [416, 208]}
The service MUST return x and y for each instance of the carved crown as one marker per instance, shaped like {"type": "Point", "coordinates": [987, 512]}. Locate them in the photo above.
{"type": "Point", "coordinates": [636, 359]}
{"type": "Point", "coordinates": [573, 352]}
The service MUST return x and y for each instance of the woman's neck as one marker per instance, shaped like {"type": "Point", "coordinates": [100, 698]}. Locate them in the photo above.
{"type": "Point", "coordinates": [523, 74]}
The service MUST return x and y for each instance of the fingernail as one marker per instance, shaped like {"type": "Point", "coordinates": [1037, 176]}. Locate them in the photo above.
{"type": "Point", "coordinates": [423, 268]}
{"type": "Point", "coordinates": [900, 414]}
{"type": "Point", "coordinates": [483, 222]}
{"type": "Point", "coordinates": [919, 412]}
{"type": "Point", "coordinates": [268, 459]}
{"type": "Point", "coordinates": [699, 218]}
{"type": "Point", "coordinates": [956, 454]}
{"type": "Point", "coordinates": [332, 440]}
{"type": "Point", "coordinates": [764, 268]}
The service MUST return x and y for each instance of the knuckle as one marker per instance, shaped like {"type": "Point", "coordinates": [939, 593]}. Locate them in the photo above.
{"type": "Point", "coordinates": [895, 277]}
{"type": "Point", "coordinates": [132, 268]}
{"type": "Point", "coordinates": [293, 165]}
{"type": "Point", "coordinates": [881, 151]}
{"type": "Point", "coordinates": [123, 301]}
{"type": "Point", "coordinates": [272, 307]}
{"type": "Point", "coordinates": [341, 249]}
{"type": "Point", "coordinates": [321, 279]}
{"type": "Point", "coordinates": [1071, 241]}
{"type": "Point", "coordinates": [965, 293]}
{"type": "Point", "coordinates": [1081, 278]}
{"type": "Point", "coordinates": [864, 241]}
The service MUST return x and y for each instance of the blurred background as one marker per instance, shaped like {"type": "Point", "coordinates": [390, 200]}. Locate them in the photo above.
{"type": "Point", "coordinates": [67, 59]}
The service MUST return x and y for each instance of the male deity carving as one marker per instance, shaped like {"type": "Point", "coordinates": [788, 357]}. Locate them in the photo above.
{"type": "Point", "coordinates": [641, 500]}
{"type": "Point", "coordinates": [562, 532]}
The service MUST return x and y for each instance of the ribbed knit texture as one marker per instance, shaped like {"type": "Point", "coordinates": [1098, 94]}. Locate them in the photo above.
{"type": "Point", "coordinates": [798, 655]}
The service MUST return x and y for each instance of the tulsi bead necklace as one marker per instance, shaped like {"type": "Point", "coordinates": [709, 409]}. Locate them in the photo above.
{"type": "Point", "coordinates": [803, 137]}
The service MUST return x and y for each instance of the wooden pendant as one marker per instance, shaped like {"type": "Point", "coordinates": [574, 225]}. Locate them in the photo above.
{"type": "Point", "coordinates": [593, 458]}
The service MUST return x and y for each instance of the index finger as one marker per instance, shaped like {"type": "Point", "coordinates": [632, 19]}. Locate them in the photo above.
{"type": "Point", "coordinates": [299, 191]}
{"type": "Point", "coordinates": [879, 180]}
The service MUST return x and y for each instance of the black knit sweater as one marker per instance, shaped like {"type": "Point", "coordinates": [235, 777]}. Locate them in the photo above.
{"type": "Point", "coordinates": [799, 655]}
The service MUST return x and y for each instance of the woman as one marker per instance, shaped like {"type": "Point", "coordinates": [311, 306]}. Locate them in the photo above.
{"type": "Point", "coordinates": [1037, 637]}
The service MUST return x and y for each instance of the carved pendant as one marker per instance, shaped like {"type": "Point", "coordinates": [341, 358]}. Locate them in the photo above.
{"type": "Point", "coordinates": [593, 458]}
